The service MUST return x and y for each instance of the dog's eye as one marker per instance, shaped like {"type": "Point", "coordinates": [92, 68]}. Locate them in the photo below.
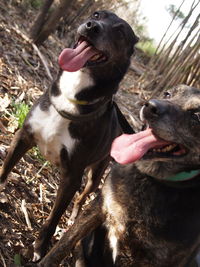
{"type": "Point", "coordinates": [119, 29]}
{"type": "Point", "coordinates": [167, 95]}
{"type": "Point", "coordinates": [96, 15]}
{"type": "Point", "coordinates": [196, 116]}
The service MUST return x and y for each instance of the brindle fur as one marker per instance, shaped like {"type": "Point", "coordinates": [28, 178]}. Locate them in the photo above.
{"type": "Point", "coordinates": [149, 221]}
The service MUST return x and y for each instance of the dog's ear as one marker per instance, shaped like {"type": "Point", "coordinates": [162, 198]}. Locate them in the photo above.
{"type": "Point", "coordinates": [137, 39]}
{"type": "Point", "coordinates": [134, 42]}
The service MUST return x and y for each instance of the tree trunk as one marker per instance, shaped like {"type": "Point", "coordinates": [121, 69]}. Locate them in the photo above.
{"type": "Point", "coordinates": [52, 21]}
{"type": "Point", "coordinates": [40, 20]}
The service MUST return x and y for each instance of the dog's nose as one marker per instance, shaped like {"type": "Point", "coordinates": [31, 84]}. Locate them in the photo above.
{"type": "Point", "coordinates": [156, 107]}
{"type": "Point", "coordinates": [92, 26]}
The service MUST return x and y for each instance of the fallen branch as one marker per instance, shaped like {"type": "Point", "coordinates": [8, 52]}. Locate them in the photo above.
{"type": "Point", "coordinates": [43, 61]}
{"type": "Point", "coordinates": [3, 260]}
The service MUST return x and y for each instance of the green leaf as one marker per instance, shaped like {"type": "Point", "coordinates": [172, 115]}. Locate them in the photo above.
{"type": "Point", "coordinates": [17, 260]}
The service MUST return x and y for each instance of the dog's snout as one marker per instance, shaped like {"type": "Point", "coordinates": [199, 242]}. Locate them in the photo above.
{"type": "Point", "coordinates": [92, 26]}
{"type": "Point", "coordinates": [156, 107]}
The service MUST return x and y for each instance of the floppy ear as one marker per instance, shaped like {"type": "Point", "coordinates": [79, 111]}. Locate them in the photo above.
{"type": "Point", "coordinates": [135, 40]}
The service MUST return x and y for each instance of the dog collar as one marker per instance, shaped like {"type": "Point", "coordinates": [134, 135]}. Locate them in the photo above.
{"type": "Point", "coordinates": [78, 102]}
{"type": "Point", "coordinates": [88, 116]}
{"type": "Point", "coordinates": [84, 102]}
{"type": "Point", "coordinates": [182, 176]}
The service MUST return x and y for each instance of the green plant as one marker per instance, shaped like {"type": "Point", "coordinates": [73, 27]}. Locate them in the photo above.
{"type": "Point", "coordinates": [147, 47]}
{"type": "Point", "coordinates": [17, 260]}
{"type": "Point", "coordinates": [35, 152]}
{"type": "Point", "coordinates": [20, 110]}
{"type": "Point", "coordinates": [33, 3]}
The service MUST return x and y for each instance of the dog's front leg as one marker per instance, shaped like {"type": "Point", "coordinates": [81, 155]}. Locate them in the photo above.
{"type": "Point", "coordinates": [94, 176]}
{"type": "Point", "coordinates": [20, 144]}
{"type": "Point", "coordinates": [70, 182]}
{"type": "Point", "coordinates": [85, 223]}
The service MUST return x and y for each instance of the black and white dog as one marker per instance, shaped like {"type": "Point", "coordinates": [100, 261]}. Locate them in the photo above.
{"type": "Point", "coordinates": [75, 121]}
{"type": "Point", "coordinates": [148, 212]}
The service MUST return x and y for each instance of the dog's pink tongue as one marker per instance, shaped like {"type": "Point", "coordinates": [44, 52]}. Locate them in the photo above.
{"type": "Point", "coordinates": [74, 59]}
{"type": "Point", "coordinates": [129, 148]}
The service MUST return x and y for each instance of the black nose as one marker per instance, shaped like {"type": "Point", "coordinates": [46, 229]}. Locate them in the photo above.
{"type": "Point", "coordinates": [92, 26]}
{"type": "Point", "coordinates": [156, 107]}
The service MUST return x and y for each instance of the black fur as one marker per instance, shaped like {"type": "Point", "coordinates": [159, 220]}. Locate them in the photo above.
{"type": "Point", "coordinates": [90, 128]}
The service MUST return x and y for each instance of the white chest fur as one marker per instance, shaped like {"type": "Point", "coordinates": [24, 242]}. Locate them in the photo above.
{"type": "Point", "coordinates": [71, 83]}
{"type": "Point", "coordinates": [51, 133]}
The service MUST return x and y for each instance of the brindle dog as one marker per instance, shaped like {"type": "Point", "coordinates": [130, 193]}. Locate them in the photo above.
{"type": "Point", "coordinates": [148, 210]}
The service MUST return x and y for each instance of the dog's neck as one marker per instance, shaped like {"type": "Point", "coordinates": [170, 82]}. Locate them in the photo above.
{"type": "Point", "coordinates": [69, 84]}
{"type": "Point", "coordinates": [159, 173]}
{"type": "Point", "coordinates": [74, 96]}
{"type": "Point", "coordinates": [182, 176]}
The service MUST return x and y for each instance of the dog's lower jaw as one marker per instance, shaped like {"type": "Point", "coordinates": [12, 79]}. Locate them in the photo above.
{"type": "Point", "coordinates": [158, 170]}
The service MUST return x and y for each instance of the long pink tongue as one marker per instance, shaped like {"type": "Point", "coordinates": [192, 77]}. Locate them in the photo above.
{"type": "Point", "coordinates": [74, 59]}
{"type": "Point", "coordinates": [129, 148]}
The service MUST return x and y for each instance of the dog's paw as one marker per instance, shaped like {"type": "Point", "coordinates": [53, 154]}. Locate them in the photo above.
{"type": "Point", "coordinates": [36, 257]}
{"type": "Point", "coordinates": [70, 222]}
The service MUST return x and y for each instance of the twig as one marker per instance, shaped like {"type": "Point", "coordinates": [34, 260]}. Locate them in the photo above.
{"type": "Point", "coordinates": [41, 193]}
{"type": "Point", "coordinates": [43, 61]}
{"type": "Point", "coordinates": [2, 127]}
{"type": "Point", "coordinates": [41, 199]}
{"type": "Point", "coordinates": [28, 40]}
{"type": "Point", "coordinates": [3, 260]}
{"type": "Point", "coordinates": [24, 210]}
{"type": "Point", "coordinates": [43, 166]}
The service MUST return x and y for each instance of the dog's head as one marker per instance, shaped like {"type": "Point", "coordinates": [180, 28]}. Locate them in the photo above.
{"type": "Point", "coordinates": [111, 36]}
{"type": "Point", "coordinates": [171, 141]}
{"type": "Point", "coordinates": [104, 41]}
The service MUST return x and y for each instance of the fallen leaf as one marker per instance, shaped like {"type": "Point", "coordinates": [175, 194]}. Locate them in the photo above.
{"type": "Point", "coordinates": [4, 102]}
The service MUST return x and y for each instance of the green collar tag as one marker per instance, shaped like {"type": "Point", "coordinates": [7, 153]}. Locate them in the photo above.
{"type": "Point", "coordinates": [182, 176]}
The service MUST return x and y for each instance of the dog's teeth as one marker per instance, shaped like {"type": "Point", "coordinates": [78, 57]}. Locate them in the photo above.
{"type": "Point", "coordinates": [165, 149]}
{"type": "Point", "coordinates": [95, 57]}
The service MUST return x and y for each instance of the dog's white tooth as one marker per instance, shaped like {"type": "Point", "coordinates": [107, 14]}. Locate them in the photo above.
{"type": "Point", "coordinates": [166, 149]}
{"type": "Point", "coordinates": [141, 114]}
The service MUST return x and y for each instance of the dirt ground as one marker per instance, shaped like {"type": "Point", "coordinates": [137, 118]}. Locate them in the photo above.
{"type": "Point", "coordinates": [27, 199]}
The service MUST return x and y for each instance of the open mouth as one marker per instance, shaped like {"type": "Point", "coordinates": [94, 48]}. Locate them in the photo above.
{"type": "Point", "coordinates": [84, 54]}
{"type": "Point", "coordinates": [97, 57]}
{"type": "Point", "coordinates": [166, 151]}
{"type": "Point", "coordinates": [144, 145]}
